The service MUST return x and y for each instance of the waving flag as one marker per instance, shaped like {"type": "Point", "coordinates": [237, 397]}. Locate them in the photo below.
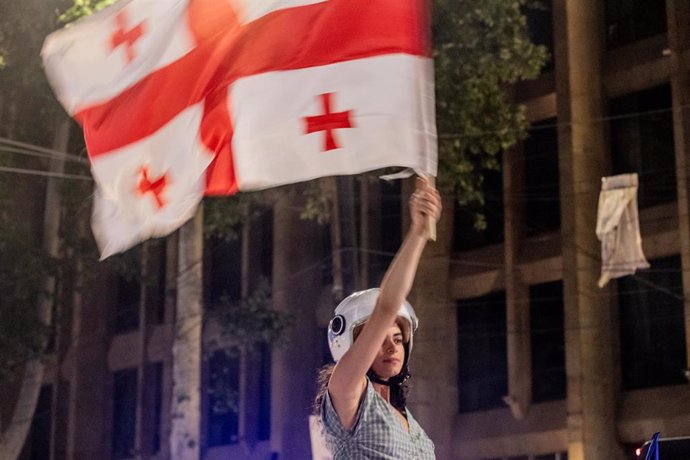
{"type": "Point", "coordinates": [181, 98]}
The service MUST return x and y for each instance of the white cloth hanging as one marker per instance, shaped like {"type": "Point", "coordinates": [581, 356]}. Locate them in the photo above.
{"type": "Point", "coordinates": [618, 228]}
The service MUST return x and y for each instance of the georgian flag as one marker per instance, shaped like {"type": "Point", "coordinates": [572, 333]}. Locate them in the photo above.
{"type": "Point", "coordinates": [181, 98]}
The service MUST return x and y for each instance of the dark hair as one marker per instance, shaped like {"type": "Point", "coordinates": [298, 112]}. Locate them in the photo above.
{"type": "Point", "coordinates": [398, 386]}
{"type": "Point", "coordinates": [322, 379]}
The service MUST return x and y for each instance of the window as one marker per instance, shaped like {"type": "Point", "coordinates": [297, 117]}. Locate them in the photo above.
{"type": "Point", "coordinates": [225, 272]}
{"type": "Point", "coordinates": [128, 299]}
{"type": "Point", "coordinates": [542, 192]}
{"type": "Point", "coordinates": [390, 225]}
{"type": "Point", "coordinates": [652, 326]}
{"type": "Point", "coordinates": [561, 456]}
{"type": "Point", "coordinates": [642, 142]}
{"type": "Point", "coordinates": [466, 237]}
{"type": "Point", "coordinates": [156, 386]}
{"type": "Point", "coordinates": [391, 215]}
{"type": "Point", "coordinates": [155, 284]}
{"type": "Point", "coordinates": [265, 225]}
{"type": "Point", "coordinates": [265, 393]}
{"type": "Point", "coordinates": [124, 412]}
{"type": "Point", "coordinates": [540, 23]}
{"type": "Point", "coordinates": [37, 445]}
{"type": "Point", "coordinates": [482, 356]}
{"type": "Point", "coordinates": [222, 406]}
{"type": "Point", "coordinates": [628, 21]}
{"type": "Point", "coordinates": [548, 342]}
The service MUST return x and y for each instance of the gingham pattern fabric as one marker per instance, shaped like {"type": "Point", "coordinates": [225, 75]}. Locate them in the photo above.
{"type": "Point", "coordinates": [377, 433]}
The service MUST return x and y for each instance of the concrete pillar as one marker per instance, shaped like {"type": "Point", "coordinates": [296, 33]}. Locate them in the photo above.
{"type": "Point", "coordinates": [519, 397]}
{"type": "Point", "coordinates": [88, 422]}
{"type": "Point", "coordinates": [679, 46]}
{"type": "Point", "coordinates": [297, 281]}
{"type": "Point", "coordinates": [433, 398]}
{"type": "Point", "coordinates": [591, 354]}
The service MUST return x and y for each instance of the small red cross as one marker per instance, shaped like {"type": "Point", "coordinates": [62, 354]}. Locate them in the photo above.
{"type": "Point", "coordinates": [156, 187]}
{"type": "Point", "coordinates": [328, 122]}
{"type": "Point", "coordinates": [125, 37]}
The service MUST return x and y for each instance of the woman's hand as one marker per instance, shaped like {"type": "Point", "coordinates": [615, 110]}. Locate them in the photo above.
{"type": "Point", "coordinates": [425, 207]}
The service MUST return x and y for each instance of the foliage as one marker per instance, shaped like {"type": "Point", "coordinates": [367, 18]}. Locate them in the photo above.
{"type": "Point", "coordinates": [83, 8]}
{"type": "Point", "coordinates": [251, 321]}
{"type": "Point", "coordinates": [480, 46]}
{"type": "Point", "coordinates": [22, 269]}
{"type": "Point", "coordinates": [224, 216]}
{"type": "Point", "coordinates": [244, 325]}
{"type": "Point", "coordinates": [26, 101]}
{"type": "Point", "coordinates": [317, 204]}
{"type": "Point", "coordinates": [224, 396]}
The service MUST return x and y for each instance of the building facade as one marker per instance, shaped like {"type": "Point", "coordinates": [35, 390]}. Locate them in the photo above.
{"type": "Point", "coordinates": [520, 356]}
{"type": "Point", "coordinates": [533, 360]}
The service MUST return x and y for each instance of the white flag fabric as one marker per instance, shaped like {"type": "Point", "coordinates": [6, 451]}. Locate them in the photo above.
{"type": "Point", "coordinates": [618, 228]}
{"type": "Point", "coordinates": [181, 98]}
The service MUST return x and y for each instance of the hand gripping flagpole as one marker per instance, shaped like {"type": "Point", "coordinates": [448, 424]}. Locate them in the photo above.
{"type": "Point", "coordinates": [431, 182]}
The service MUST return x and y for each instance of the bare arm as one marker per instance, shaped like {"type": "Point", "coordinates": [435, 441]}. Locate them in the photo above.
{"type": "Point", "coordinates": [347, 384]}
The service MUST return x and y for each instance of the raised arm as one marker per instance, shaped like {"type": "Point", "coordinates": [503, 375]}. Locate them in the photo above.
{"type": "Point", "coordinates": [347, 384]}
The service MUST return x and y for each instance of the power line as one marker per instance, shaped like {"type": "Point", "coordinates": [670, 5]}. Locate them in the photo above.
{"type": "Point", "coordinates": [40, 149]}
{"type": "Point", "coordinates": [32, 153]}
{"type": "Point", "coordinates": [452, 136]}
{"type": "Point", "coordinates": [35, 172]}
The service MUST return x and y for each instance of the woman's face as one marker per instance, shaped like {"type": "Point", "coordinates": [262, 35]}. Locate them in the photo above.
{"type": "Point", "coordinates": [389, 359]}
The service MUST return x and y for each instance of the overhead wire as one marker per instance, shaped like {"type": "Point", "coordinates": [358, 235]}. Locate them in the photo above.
{"type": "Point", "coordinates": [40, 149]}
{"type": "Point", "coordinates": [51, 153]}
{"type": "Point", "coordinates": [35, 172]}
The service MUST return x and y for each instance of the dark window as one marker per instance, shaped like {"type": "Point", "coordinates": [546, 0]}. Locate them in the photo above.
{"type": "Point", "coordinates": [124, 412]}
{"type": "Point", "coordinates": [482, 359]}
{"type": "Point", "coordinates": [561, 456]}
{"type": "Point", "coordinates": [265, 393]}
{"type": "Point", "coordinates": [265, 223]}
{"type": "Point", "coordinates": [652, 326]}
{"type": "Point", "coordinates": [348, 196]}
{"type": "Point", "coordinates": [540, 23]}
{"type": "Point", "coordinates": [37, 444]}
{"type": "Point", "coordinates": [391, 215]}
{"type": "Point", "coordinates": [548, 342]}
{"type": "Point", "coordinates": [157, 388]}
{"type": "Point", "coordinates": [225, 271]}
{"type": "Point", "coordinates": [155, 285]}
{"type": "Point", "coordinates": [466, 237]}
{"type": "Point", "coordinates": [390, 219]}
{"type": "Point", "coordinates": [642, 142]}
{"type": "Point", "coordinates": [542, 198]}
{"type": "Point", "coordinates": [223, 398]}
{"type": "Point", "coordinates": [628, 21]}
{"type": "Point", "coordinates": [128, 301]}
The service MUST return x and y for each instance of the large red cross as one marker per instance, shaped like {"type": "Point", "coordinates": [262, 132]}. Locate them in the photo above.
{"type": "Point", "coordinates": [157, 187]}
{"type": "Point", "coordinates": [123, 36]}
{"type": "Point", "coordinates": [328, 122]}
{"type": "Point", "coordinates": [240, 50]}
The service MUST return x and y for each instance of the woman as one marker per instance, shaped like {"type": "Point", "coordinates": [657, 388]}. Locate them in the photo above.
{"type": "Point", "coordinates": [362, 397]}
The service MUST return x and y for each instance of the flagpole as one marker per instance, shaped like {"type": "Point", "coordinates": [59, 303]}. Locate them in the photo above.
{"type": "Point", "coordinates": [431, 181]}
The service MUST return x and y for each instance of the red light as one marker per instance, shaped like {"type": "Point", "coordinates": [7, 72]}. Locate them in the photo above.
{"type": "Point", "coordinates": [638, 451]}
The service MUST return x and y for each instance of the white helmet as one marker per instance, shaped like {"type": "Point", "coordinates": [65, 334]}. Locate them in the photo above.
{"type": "Point", "coordinates": [354, 311]}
